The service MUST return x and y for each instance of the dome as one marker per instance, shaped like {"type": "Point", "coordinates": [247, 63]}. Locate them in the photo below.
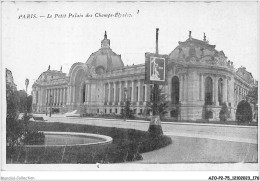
{"type": "Point", "coordinates": [196, 51]}
{"type": "Point", "coordinates": [105, 59]}
{"type": "Point", "coordinates": [50, 75]}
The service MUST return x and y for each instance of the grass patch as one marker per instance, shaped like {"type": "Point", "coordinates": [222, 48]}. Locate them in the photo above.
{"type": "Point", "coordinates": [126, 146]}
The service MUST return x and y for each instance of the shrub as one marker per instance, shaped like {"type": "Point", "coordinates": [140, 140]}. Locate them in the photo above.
{"type": "Point", "coordinates": [126, 146]}
{"type": "Point", "coordinates": [224, 113]}
{"type": "Point", "coordinates": [244, 112]}
{"type": "Point", "coordinates": [34, 138]}
{"type": "Point", "coordinates": [127, 112]}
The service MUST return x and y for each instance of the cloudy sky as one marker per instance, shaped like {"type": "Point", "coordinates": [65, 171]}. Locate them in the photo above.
{"type": "Point", "coordinates": [30, 43]}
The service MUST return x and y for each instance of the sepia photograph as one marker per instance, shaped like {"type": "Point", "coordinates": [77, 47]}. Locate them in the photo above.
{"type": "Point", "coordinates": [130, 86]}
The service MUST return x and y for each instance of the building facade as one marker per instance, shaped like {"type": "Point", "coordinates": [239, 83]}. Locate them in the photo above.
{"type": "Point", "coordinates": [199, 80]}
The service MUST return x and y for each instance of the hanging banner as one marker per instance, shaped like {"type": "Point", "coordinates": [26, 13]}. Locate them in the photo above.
{"type": "Point", "coordinates": [155, 68]}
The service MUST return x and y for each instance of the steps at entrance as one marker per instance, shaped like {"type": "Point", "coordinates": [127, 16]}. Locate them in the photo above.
{"type": "Point", "coordinates": [72, 114]}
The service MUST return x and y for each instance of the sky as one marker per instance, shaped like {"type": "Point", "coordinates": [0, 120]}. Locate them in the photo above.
{"type": "Point", "coordinates": [30, 43]}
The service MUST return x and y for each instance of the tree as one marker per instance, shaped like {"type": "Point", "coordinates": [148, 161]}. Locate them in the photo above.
{"type": "Point", "coordinates": [160, 107]}
{"type": "Point", "coordinates": [14, 128]}
{"type": "Point", "coordinates": [224, 113]}
{"type": "Point", "coordinates": [29, 103]}
{"type": "Point", "coordinates": [127, 112]}
{"type": "Point", "coordinates": [25, 102]}
{"type": "Point", "coordinates": [252, 95]}
{"type": "Point", "coordinates": [244, 112]}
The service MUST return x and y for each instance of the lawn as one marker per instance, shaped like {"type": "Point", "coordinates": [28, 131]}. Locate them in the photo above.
{"type": "Point", "coordinates": [126, 146]}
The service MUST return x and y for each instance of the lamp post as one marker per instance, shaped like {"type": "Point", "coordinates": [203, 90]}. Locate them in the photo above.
{"type": "Point", "coordinates": [26, 86]}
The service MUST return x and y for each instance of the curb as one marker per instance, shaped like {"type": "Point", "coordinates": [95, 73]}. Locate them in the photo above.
{"type": "Point", "coordinates": [198, 124]}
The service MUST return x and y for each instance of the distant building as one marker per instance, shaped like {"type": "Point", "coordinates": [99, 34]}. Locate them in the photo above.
{"type": "Point", "coordinates": [200, 79]}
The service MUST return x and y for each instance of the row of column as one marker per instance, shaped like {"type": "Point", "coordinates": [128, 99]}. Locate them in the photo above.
{"type": "Point", "coordinates": [215, 91]}
{"type": "Point", "coordinates": [240, 93]}
{"type": "Point", "coordinates": [118, 91]}
{"type": "Point", "coordinates": [56, 96]}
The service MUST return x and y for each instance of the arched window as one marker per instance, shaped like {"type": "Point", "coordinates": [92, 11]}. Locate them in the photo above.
{"type": "Point", "coordinates": [208, 91]}
{"type": "Point", "coordinates": [175, 90]}
{"type": "Point", "coordinates": [83, 93]}
{"type": "Point", "coordinates": [220, 91]}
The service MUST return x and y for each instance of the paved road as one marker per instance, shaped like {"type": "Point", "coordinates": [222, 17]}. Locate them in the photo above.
{"type": "Point", "coordinates": [217, 132]}
{"type": "Point", "coordinates": [192, 143]}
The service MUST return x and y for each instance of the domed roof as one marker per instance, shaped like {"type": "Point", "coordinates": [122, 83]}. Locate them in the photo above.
{"type": "Point", "coordinates": [105, 59]}
{"type": "Point", "coordinates": [50, 75]}
{"type": "Point", "coordinates": [199, 51]}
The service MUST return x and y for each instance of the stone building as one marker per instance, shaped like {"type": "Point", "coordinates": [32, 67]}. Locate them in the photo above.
{"type": "Point", "coordinates": [200, 79]}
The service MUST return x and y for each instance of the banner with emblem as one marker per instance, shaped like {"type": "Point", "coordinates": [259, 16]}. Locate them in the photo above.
{"type": "Point", "coordinates": [155, 68]}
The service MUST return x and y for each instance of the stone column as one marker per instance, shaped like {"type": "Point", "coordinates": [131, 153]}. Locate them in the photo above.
{"type": "Point", "coordinates": [62, 92]}
{"type": "Point", "coordinates": [180, 89]}
{"type": "Point", "coordinates": [126, 86]}
{"type": "Point", "coordinates": [57, 96]}
{"type": "Point", "coordinates": [146, 92]}
{"type": "Point", "coordinates": [139, 91]}
{"type": "Point", "coordinates": [72, 94]}
{"type": "Point", "coordinates": [86, 93]}
{"type": "Point", "coordinates": [59, 93]}
{"type": "Point", "coordinates": [225, 91]}
{"type": "Point", "coordinates": [69, 94]}
{"type": "Point", "coordinates": [54, 96]}
{"type": "Point", "coordinates": [47, 91]}
{"type": "Point", "coordinates": [49, 96]}
{"type": "Point", "coordinates": [46, 97]}
{"type": "Point", "coordinates": [133, 90]}
{"type": "Point", "coordinates": [60, 96]}
{"type": "Point", "coordinates": [89, 93]}
{"type": "Point", "coordinates": [65, 92]}
{"type": "Point", "coordinates": [185, 96]}
{"type": "Point", "coordinates": [202, 88]}
{"type": "Point", "coordinates": [216, 91]}
{"type": "Point", "coordinates": [120, 91]}
{"type": "Point", "coordinates": [104, 92]}
{"type": "Point", "coordinates": [109, 92]}
{"type": "Point", "coordinates": [115, 93]}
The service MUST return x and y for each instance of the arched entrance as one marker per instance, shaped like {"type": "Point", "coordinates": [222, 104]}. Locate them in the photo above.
{"type": "Point", "coordinates": [175, 90]}
{"type": "Point", "coordinates": [79, 87]}
{"type": "Point", "coordinates": [208, 91]}
{"type": "Point", "coordinates": [244, 112]}
{"type": "Point", "coordinates": [83, 93]}
{"type": "Point", "coordinates": [220, 91]}
{"type": "Point", "coordinates": [175, 96]}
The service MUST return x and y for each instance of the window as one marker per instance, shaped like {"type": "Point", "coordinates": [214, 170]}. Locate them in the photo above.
{"type": "Point", "coordinates": [144, 93]}
{"type": "Point", "coordinates": [151, 92]}
{"type": "Point", "coordinates": [137, 94]}
{"type": "Point", "coordinates": [83, 93]}
{"type": "Point", "coordinates": [175, 90]}
{"type": "Point", "coordinates": [130, 94]}
{"type": "Point", "coordinates": [220, 91]}
{"type": "Point", "coordinates": [208, 91]}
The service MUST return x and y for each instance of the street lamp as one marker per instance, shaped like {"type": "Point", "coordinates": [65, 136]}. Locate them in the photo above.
{"type": "Point", "coordinates": [26, 86]}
